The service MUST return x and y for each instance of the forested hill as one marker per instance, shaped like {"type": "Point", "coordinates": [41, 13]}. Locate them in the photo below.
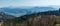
{"type": "Point", "coordinates": [56, 12]}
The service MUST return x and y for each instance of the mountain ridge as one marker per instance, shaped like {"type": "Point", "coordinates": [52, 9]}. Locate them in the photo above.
{"type": "Point", "coordinates": [21, 11]}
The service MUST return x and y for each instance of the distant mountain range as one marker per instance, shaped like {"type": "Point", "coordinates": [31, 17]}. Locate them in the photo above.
{"type": "Point", "coordinates": [19, 11]}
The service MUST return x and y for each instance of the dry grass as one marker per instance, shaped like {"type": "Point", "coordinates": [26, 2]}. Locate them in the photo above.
{"type": "Point", "coordinates": [45, 20]}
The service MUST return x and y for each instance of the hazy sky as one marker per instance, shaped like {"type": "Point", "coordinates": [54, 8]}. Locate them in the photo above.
{"type": "Point", "coordinates": [4, 3]}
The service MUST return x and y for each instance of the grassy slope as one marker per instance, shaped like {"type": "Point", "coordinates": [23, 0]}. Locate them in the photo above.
{"type": "Point", "coordinates": [35, 20]}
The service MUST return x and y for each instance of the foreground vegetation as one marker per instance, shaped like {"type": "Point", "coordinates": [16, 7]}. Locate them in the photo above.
{"type": "Point", "coordinates": [34, 20]}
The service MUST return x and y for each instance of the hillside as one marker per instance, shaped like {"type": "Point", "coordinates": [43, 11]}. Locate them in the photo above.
{"type": "Point", "coordinates": [4, 17]}
{"type": "Point", "coordinates": [38, 20]}
{"type": "Point", "coordinates": [48, 18]}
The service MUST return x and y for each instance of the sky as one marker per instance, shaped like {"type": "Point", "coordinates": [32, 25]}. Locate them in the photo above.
{"type": "Point", "coordinates": [5, 3]}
